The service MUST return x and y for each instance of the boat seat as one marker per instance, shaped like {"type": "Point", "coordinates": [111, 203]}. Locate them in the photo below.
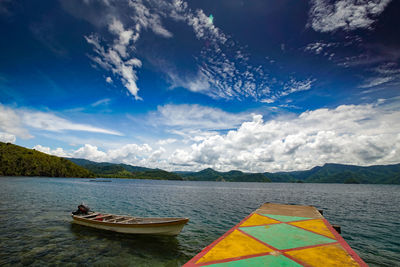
{"type": "Point", "coordinates": [101, 217]}
{"type": "Point", "coordinates": [90, 215]}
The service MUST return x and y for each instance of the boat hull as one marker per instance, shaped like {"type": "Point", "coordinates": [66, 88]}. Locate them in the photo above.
{"type": "Point", "coordinates": [168, 228]}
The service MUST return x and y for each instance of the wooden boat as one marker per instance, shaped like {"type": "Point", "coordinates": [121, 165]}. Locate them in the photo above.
{"type": "Point", "coordinates": [131, 225]}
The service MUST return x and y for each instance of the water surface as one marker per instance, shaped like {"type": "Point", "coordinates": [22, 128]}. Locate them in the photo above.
{"type": "Point", "coordinates": [36, 229]}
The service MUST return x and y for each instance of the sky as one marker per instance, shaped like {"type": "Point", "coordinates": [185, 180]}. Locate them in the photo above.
{"type": "Point", "coordinates": [256, 86]}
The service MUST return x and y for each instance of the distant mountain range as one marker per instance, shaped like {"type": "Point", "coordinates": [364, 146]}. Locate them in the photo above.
{"type": "Point", "coordinates": [329, 173]}
{"type": "Point", "coordinates": [19, 161]}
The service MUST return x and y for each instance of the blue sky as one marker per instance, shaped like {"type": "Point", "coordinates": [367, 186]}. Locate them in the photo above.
{"type": "Point", "coordinates": [185, 85]}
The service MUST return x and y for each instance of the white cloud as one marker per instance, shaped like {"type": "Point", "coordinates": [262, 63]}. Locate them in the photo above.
{"type": "Point", "coordinates": [56, 152]}
{"type": "Point", "coordinates": [14, 121]}
{"type": "Point", "coordinates": [327, 16]}
{"type": "Point", "coordinates": [11, 123]}
{"type": "Point", "coordinates": [109, 80]}
{"type": "Point", "coordinates": [196, 117]}
{"type": "Point", "coordinates": [90, 152]}
{"type": "Point", "coordinates": [114, 59]}
{"type": "Point", "coordinates": [365, 134]}
{"type": "Point", "coordinates": [321, 48]}
{"type": "Point", "coordinates": [223, 68]}
{"type": "Point", "coordinates": [383, 75]}
{"type": "Point", "coordinates": [166, 141]}
{"type": "Point", "coordinates": [7, 138]}
{"type": "Point", "coordinates": [375, 81]}
{"type": "Point", "coordinates": [293, 86]}
{"type": "Point", "coordinates": [51, 122]}
{"type": "Point", "coordinates": [118, 57]}
{"type": "Point", "coordinates": [142, 155]}
{"type": "Point", "coordinates": [104, 101]}
{"type": "Point", "coordinates": [349, 134]}
{"type": "Point", "coordinates": [198, 83]}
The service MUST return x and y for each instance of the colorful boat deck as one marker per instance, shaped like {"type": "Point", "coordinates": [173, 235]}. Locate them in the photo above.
{"type": "Point", "coordinates": [279, 235]}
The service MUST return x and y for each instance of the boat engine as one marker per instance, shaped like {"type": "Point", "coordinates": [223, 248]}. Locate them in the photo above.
{"type": "Point", "coordinates": [82, 210]}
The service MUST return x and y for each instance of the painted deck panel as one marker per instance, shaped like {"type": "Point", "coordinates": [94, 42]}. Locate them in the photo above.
{"type": "Point", "coordinates": [279, 235]}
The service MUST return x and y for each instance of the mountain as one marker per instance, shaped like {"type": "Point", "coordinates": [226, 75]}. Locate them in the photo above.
{"type": "Point", "coordinates": [231, 176]}
{"type": "Point", "coordinates": [106, 167]}
{"type": "Point", "coordinates": [19, 161]}
{"type": "Point", "coordinates": [328, 173]}
{"type": "Point", "coordinates": [338, 173]}
{"type": "Point", "coordinates": [114, 170]}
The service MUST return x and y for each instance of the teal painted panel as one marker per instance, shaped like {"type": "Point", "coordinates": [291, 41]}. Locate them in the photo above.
{"type": "Point", "coordinates": [284, 236]}
{"type": "Point", "coordinates": [283, 218]}
{"type": "Point", "coordinates": [269, 260]}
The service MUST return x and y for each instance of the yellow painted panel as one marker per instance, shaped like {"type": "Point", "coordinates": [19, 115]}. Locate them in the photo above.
{"type": "Point", "coordinates": [234, 245]}
{"type": "Point", "coordinates": [318, 226]}
{"type": "Point", "coordinates": [331, 255]}
{"type": "Point", "coordinates": [256, 219]}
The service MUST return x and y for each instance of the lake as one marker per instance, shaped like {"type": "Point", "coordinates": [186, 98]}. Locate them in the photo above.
{"type": "Point", "coordinates": [36, 229]}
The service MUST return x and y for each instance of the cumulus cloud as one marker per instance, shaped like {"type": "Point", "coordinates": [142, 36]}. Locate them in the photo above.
{"type": "Point", "coordinates": [327, 16]}
{"type": "Point", "coordinates": [56, 152]}
{"type": "Point", "coordinates": [134, 154]}
{"type": "Point", "coordinates": [7, 138]}
{"type": "Point", "coordinates": [350, 134]}
{"type": "Point", "coordinates": [364, 134]}
{"type": "Point", "coordinates": [166, 141]}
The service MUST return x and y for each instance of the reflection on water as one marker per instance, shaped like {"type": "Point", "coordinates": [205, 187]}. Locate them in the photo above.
{"type": "Point", "coordinates": [112, 244]}
{"type": "Point", "coordinates": [36, 228]}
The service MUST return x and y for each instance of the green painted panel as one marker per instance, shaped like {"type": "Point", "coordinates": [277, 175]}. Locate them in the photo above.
{"type": "Point", "coordinates": [269, 260]}
{"type": "Point", "coordinates": [284, 236]}
{"type": "Point", "coordinates": [283, 218]}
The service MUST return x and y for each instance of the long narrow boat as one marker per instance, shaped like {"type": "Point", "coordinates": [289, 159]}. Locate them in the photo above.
{"type": "Point", "coordinates": [131, 225]}
{"type": "Point", "coordinates": [279, 235]}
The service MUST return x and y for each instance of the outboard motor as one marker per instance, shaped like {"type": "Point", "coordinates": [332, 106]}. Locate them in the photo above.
{"type": "Point", "coordinates": [82, 210]}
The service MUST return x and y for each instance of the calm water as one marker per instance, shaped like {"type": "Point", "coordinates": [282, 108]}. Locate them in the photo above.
{"type": "Point", "coordinates": [36, 229]}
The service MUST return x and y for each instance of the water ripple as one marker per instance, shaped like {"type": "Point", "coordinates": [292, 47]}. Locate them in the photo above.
{"type": "Point", "coordinates": [36, 229]}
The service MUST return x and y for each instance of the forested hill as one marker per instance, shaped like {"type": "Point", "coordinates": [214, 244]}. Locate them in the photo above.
{"type": "Point", "coordinates": [114, 170]}
{"type": "Point", "coordinates": [328, 173]}
{"type": "Point", "coordinates": [340, 173]}
{"type": "Point", "coordinates": [19, 161]}
{"type": "Point", "coordinates": [231, 176]}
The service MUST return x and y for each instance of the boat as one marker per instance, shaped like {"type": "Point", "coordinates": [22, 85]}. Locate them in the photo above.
{"type": "Point", "coordinates": [131, 225]}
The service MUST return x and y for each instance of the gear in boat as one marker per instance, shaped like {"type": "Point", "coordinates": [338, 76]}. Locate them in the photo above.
{"type": "Point", "coordinates": [82, 210]}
